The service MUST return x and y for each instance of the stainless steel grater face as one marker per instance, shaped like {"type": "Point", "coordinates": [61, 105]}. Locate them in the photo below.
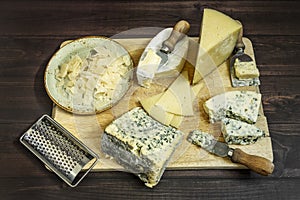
{"type": "Point", "coordinates": [60, 151]}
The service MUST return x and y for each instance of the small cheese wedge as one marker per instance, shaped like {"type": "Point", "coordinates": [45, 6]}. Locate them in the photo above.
{"type": "Point", "coordinates": [240, 105]}
{"type": "Point", "coordinates": [218, 37]}
{"type": "Point", "coordinates": [245, 70]}
{"type": "Point", "coordinates": [177, 98]}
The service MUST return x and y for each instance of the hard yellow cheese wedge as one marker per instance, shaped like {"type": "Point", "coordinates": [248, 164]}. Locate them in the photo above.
{"type": "Point", "coordinates": [218, 37]}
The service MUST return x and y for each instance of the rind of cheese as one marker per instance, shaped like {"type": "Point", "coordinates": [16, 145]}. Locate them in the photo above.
{"type": "Point", "coordinates": [245, 70]}
{"type": "Point", "coordinates": [240, 105]}
{"type": "Point", "coordinates": [177, 98]}
{"type": "Point", "coordinates": [140, 144]}
{"type": "Point", "coordinates": [218, 37]}
{"type": "Point", "coordinates": [237, 132]}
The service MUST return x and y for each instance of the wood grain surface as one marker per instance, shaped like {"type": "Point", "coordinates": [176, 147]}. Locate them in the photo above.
{"type": "Point", "coordinates": [89, 129]}
{"type": "Point", "coordinates": [31, 32]}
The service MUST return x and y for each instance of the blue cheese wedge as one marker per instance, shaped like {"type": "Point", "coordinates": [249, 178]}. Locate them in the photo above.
{"type": "Point", "coordinates": [140, 144]}
{"type": "Point", "coordinates": [237, 132]}
{"type": "Point", "coordinates": [240, 105]}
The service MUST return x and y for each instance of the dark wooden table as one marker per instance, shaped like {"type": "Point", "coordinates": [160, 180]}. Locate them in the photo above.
{"type": "Point", "coordinates": [31, 31]}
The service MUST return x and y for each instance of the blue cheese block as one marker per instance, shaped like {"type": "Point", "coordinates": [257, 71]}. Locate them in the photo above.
{"type": "Point", "coordinates": [240, 105]}
{"type": "Point", "coordinates": [237, 132]}
{"type": "Point", "coordinates": [140, 144]}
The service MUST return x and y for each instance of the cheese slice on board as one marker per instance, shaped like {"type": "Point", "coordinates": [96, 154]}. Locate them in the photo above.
{"type": "Point", "coordinates": [155, 111]}
{"type": "Point", "coordinates": [177, 98]}
{"type": "Point", "coordinates": [163, 116]}
{"type": "Point", "coordinates": [218, 37]}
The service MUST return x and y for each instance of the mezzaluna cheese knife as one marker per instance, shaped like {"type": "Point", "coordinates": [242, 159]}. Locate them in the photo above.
{"type": "Point", "coordinates": [257, 164]}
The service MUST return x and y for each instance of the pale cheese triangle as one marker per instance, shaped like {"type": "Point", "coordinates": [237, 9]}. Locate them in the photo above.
{"type": "Point", "coordinates": [177, 119]}
{"type": "Point", "coordinates": [156, 112]}
{"type": "Point", "coordinates": [218, 37]}
{"type": "Point", "coordinates": [177, 98]}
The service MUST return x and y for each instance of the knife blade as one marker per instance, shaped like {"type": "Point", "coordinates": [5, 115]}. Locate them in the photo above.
{"type": "Point", "coordinates": [257, 164]}
{"type": "Point", "coordinates": [156, 55]}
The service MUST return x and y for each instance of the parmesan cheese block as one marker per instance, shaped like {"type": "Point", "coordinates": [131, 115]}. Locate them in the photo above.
{"type": "Point", "coordinates": [237, 132]}
{"type": "Point", "coordinates": [218, 37]}
{"type": "Point", "coordinates": [241, 105]}
{"type": "Point", "coordinates": [177, 98]}
{"type": "Point", "coordinates": [141, 145]}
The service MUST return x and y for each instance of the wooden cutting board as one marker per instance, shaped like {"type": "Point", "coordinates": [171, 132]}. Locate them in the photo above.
{"type": "Point", "coordinates": [89, 129]}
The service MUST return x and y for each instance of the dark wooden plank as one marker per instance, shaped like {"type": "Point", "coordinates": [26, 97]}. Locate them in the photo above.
{"type": "Point", "coordinates": [185, 188]}
{"type": "Point", "coordinates": [112, 17]}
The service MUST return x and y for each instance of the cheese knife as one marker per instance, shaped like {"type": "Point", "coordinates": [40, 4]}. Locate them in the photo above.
{"type": "Point", "coordinates": [242, 57]}
{"type": "Point", "coordinates": [156, 55]}
{"type": "Point", "coordinates": [180, 29]}
{"type": "Point", "coordinates": [257, 164]}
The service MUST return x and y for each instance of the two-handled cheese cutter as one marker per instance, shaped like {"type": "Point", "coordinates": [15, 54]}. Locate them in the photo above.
{"type": "Point", "coordinates": [242, 57]}
{"type": "Point", "coordinates": [257, 164]}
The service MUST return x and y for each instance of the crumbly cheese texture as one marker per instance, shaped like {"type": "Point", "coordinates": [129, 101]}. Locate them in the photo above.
{"type": "Point", "coordinates": [95, 81]}
{"type": "Point", "coordinates": [141, 144]}
{"type": "Point", "coordinates": [245, 70]}
{"type": "Point", "coordinates": [218, 37]}
{"type": "Point", "coordinates": [240, 105]}
{"type": "Point", "coordinates": [201, 139]}
{"type": "Point", "coordinates": [237, 132]}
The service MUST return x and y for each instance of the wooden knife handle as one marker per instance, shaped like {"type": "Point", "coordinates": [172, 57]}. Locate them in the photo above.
{"type": "Point", "coordinates": [240, 44]}
{"type": "Point", "coordinates": [256, 163]}
{"type": "Point", "coordinates": [179, 30]}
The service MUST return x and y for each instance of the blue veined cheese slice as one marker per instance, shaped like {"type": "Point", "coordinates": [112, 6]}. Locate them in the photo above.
{"type": "Point", "coordinates": [237, 132]}
{"type": "Point", "coordinates": [202, 139]}
{"type": "Point", "coordinates": [240, 105]}
{"type": "Point", "coordinates": [140, 144]}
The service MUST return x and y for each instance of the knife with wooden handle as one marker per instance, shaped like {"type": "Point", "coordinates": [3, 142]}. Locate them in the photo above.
{"type": "Point", "coordinates": [257, 164]}
{"type": "Point", "coordinates": [164, 53]}
{"type": "Point", "coordinates": [180, 29]}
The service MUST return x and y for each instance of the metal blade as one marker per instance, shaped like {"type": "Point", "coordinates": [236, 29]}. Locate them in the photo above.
{"type": "Point", "coordinates": [234, 80]}
{"type": "Point", "coordinates": [207, 142]}
{"type": "Point", "coordinates": [164, 58]}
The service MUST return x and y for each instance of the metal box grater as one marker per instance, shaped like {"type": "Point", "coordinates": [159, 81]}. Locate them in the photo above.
{"type": "Point", "coordinates": [59, 150]}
